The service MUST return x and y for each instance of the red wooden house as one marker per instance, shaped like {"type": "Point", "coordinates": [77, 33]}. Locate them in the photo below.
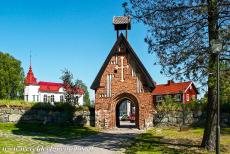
{"type": "Point", "coordinates": [182, 92]}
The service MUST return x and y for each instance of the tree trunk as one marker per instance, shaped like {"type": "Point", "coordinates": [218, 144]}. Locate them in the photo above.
{"type": "Point", "coordinates": [209, 137]}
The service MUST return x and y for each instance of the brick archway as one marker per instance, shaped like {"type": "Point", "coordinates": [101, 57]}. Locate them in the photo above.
{"type": "Point", "coordinates": [117, 101]}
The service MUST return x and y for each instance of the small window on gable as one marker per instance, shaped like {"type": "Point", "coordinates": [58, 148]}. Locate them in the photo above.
{"type": "Point", "coordinates": [190, 87]}
{"type": "Point", "coordinates": [187, 97]}
{"type": "Point", "coordinates": [159, 98]}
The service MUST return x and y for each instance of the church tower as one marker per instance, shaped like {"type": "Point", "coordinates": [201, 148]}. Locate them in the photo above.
{"type": "Point", "coordinates": [123, 78]}
{"type": "Point", "coordinates": [31, 86]}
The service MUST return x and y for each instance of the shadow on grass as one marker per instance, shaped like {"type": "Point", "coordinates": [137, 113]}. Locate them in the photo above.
{"type": "Point", "coordinates": [53, 123]}
{"type": "Point", "coordinates": [149, 143]}
{"type": "Point", "coordinates": [54, 133]}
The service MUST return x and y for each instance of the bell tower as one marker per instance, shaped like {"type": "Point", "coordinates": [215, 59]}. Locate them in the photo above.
{"type": "Point", "coordinates": [122, 23]}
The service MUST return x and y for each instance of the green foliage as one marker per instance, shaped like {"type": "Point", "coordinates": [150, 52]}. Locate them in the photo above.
{"type": "Point", "coordinates": [69, 86]}
{"type": "Point", "coordinates": [16, 103]}
{"type": "Point", "coordinates": [169, 104]}
{"type": "Point", "coordinates": [86, 98]}
{"type": "Point", "coordinates": [11, 77]}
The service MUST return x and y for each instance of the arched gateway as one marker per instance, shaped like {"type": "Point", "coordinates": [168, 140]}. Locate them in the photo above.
{"type": "Point", "coordinates": [122, 80]}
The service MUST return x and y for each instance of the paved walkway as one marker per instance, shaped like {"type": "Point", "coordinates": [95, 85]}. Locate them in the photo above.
{"type": "Point", "coordinates": [106, 142]}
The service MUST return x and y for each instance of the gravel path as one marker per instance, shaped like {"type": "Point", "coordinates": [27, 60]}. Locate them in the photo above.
{"type": "Point", "coordinates": [107, 142]}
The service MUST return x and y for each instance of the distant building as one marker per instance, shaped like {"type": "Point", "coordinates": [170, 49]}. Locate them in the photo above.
{"type": "Point", "coordinates": [182, 92]}
{"type": "Point", "coordinates": [46, 91]}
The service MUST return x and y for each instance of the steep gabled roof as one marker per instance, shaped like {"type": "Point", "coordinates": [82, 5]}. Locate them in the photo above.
{"type": "Point", "coordinates": [143, 71]}
{"type": "Point", "coordinates": [172, 88]}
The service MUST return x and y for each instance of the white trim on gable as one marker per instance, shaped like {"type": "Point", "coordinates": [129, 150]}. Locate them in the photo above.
{"type": "Point", "coordinates": [188, 87]}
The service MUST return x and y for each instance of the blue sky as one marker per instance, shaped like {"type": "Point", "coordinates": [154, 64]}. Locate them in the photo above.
{"type": "Point", "coordinates": [72, 34]}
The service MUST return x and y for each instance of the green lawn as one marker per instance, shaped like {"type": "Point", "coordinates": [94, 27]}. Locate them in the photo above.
{"type": "Point", "coordinates": [172, 141]}
{"type": "Point", "coordinates": [36, 135]}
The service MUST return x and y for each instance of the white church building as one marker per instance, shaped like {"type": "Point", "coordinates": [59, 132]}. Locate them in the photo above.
{"type": "Point", "coordinates": [46, 91]}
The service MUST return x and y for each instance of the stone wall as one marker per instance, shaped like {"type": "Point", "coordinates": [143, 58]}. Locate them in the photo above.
{"type": "Point", "coordinates": [19, 114]}
{"type": "Point", "coordinates": [197, 118]}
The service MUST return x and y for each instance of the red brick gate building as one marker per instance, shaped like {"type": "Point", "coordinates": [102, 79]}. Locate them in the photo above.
{"type": "Point", "coordinates": [123, 77]}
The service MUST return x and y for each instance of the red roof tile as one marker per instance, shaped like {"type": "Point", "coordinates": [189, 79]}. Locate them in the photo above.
{"type": "Point", "coordinates": [171, 88]}
{"type": "Point", "coordinates": [54, 87]}
{"type": "Point", "coordinates": [30, 79]}
{"type": "Point", "coordinates": [49, 86]}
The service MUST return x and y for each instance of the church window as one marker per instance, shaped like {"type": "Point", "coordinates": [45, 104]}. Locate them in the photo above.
{"type": "Point", "coordinates": [33, 98]}
{"type": "Point", "coordinates": [61, 98]}
{"type": "Point", "coordinates": [116, 59]}
{"type": "Point", "coordinates": [45, 98]}
{"type": "Point", "coordinates": [109, 85]}
{"type": "Point", "coordinates": [52, 98]}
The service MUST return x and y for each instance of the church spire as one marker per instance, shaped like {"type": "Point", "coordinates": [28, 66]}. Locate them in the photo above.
{"type": "Point", "coordinates": [30, 78]}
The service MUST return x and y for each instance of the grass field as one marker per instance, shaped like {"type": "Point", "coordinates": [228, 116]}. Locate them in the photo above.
{"type": "Point", "coordinates": [172, 141]}
{"type": "Point", "coordinates": [31, 136]}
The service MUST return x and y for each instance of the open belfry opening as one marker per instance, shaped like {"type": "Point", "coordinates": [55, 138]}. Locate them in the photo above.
{"type": "Point", "coordinates": [123, 86]}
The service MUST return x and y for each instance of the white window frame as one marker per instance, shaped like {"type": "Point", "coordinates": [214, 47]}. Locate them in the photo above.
{"type": "Point", "coordinates": [45, 98]}
{"type": "Point", "coordinates": [157, 98]}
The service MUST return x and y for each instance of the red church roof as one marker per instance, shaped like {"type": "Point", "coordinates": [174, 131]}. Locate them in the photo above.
{"type": "Point", "coordinates": [54, 87]}
{"type": "Point", "coordinates": [49, 86]}
{"type": "Point", "coordinates": [171, 88]}
{"type": "Point", "coordinates": [30, 79]}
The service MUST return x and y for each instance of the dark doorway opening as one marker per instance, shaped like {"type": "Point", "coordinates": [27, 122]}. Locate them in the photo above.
{"type": "Point", "coordinates": [126, 114]}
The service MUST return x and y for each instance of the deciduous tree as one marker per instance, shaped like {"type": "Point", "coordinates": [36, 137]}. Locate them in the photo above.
{"type": "Point", "coordinates": [11, 77]}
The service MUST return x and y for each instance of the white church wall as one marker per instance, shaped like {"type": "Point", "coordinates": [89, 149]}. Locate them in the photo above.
{"type": "Point", "coordinates": [31, 93]}
{"type": "Point", "coordinates": [57, 96]}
